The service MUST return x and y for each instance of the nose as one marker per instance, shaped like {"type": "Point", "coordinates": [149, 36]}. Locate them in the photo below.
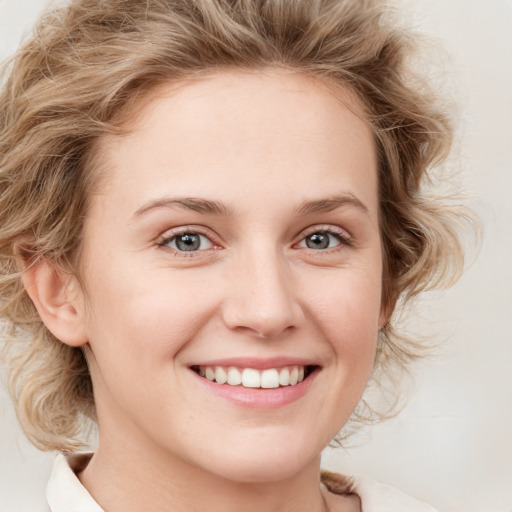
{"type": "Point", "coordinates": [262, 296]}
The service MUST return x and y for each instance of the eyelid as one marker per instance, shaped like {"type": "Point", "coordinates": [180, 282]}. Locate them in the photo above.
{"type": "Point", "coordinates": [172, 233]}
{"type": "Point", "coordinates": [344, 236]}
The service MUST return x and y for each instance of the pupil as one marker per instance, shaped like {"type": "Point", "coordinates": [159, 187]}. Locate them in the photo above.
{"type": "Point", "coordinates": [317, 241]}
{"type": "Point", "coordinates": [188, 242]}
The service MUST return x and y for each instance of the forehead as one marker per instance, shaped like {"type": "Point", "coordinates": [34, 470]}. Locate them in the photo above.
{"type": "Point", "coordinates": [200, 91]}
{"type": "Point", "coordinates": [248, 129]}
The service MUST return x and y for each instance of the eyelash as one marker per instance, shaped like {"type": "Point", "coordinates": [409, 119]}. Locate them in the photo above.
{"type": "Point", "coordinates": [341, 235]}
{"type": "Point", "coordinates": [169, 238]}
{"type": "Point", "coordinates": [344, 238]}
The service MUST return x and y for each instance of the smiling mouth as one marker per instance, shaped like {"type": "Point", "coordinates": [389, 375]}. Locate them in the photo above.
{"type": "Point", "coordinates": [270, 378]}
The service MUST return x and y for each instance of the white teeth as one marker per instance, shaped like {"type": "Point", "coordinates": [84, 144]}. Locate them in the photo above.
{"type": "Point", "coordinates": [220, 375]}
{"type": "Point", "coordinates": [284, 377]}
{"type": "Point", "coordinates": [234, 376]}
{"type": "Point", "coordinates": [252, 378]}
{"type": "Point", "coordinates": [270, 379]}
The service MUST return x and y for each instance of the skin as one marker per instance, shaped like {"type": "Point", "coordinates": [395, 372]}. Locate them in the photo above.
{"type": "Point", "coordinates": [268, 148]}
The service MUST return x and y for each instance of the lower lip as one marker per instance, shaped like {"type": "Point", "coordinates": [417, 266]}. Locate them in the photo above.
{"type": "Point", "coordinates": [258, 397]}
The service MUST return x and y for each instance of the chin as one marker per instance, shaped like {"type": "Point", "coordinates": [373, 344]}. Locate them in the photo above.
{"type": "Point", "coordinates": [260, 472]}
{"type": "Point", "coordinates": [272, 462]}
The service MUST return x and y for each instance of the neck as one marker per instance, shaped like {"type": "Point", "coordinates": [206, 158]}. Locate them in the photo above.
{"type": "Point", "coordinates": [134, 482]}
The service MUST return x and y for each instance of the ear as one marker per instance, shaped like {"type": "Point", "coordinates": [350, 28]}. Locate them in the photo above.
{"type": "Point", "coordinates": [58, 298]}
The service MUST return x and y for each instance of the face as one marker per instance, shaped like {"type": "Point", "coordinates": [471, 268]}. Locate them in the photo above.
{"type": "Point", "coordinates": [232, 266]}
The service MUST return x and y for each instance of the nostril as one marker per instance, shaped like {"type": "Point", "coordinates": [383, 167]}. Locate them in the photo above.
{"type": "Point", "coordinates": [265, 307]}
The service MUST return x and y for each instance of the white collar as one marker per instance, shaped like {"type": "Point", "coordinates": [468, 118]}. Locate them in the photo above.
{"type": "Point", "coordinates": [379, 497]}
{"type": "Point", "coordinates": [65, 493]}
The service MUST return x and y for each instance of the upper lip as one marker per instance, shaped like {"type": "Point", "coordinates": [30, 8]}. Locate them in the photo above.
{"type": "Point", "coordinates": [258, 363]}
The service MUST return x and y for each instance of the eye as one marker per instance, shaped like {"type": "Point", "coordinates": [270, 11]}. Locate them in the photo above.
{"type": "Point", "coordinates": [188, 242]}
{"type": "Point", "coordinates": [321, 240]}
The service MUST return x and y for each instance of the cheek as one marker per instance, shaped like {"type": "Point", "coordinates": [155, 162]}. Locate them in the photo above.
{"type": "Point", "coordinates": [347, 303]}
{"type": "Point", "coordinates": [146, 317]}
{"type": "Point", "coordinates": [346, 308]}
{"type": "Point", "coordinates": [137, 329]}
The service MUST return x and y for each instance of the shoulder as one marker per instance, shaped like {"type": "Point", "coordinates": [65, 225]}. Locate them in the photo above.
{"type": "Point", "coordinates": [374, 496]}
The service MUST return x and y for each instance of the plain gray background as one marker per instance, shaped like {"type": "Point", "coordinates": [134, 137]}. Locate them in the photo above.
{"type": "Point", "coordinates": [451, 446]}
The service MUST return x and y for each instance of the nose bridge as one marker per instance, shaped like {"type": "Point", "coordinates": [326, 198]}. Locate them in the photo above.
{"type": "Point", "coordinates": [262, 298]}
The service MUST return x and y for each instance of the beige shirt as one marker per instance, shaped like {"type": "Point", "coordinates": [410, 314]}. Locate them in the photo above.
{"type": "Point", "coordinates": [65, 493]}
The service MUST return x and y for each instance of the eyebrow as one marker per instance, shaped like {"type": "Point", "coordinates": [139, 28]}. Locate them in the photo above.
{"type": "Point", "coordinates": [331, 203]}
{"type": "Point", "coordinates": [195, 204]}
{"type": "Point", "coordinates": [211, 207]}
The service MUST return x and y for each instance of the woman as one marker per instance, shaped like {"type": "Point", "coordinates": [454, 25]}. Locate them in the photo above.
{"type": "Point", "coordinates": [209, 213]}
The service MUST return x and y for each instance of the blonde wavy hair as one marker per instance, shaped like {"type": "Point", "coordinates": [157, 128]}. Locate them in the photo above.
{"type": "Point", "coordinates": [90, 61]}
